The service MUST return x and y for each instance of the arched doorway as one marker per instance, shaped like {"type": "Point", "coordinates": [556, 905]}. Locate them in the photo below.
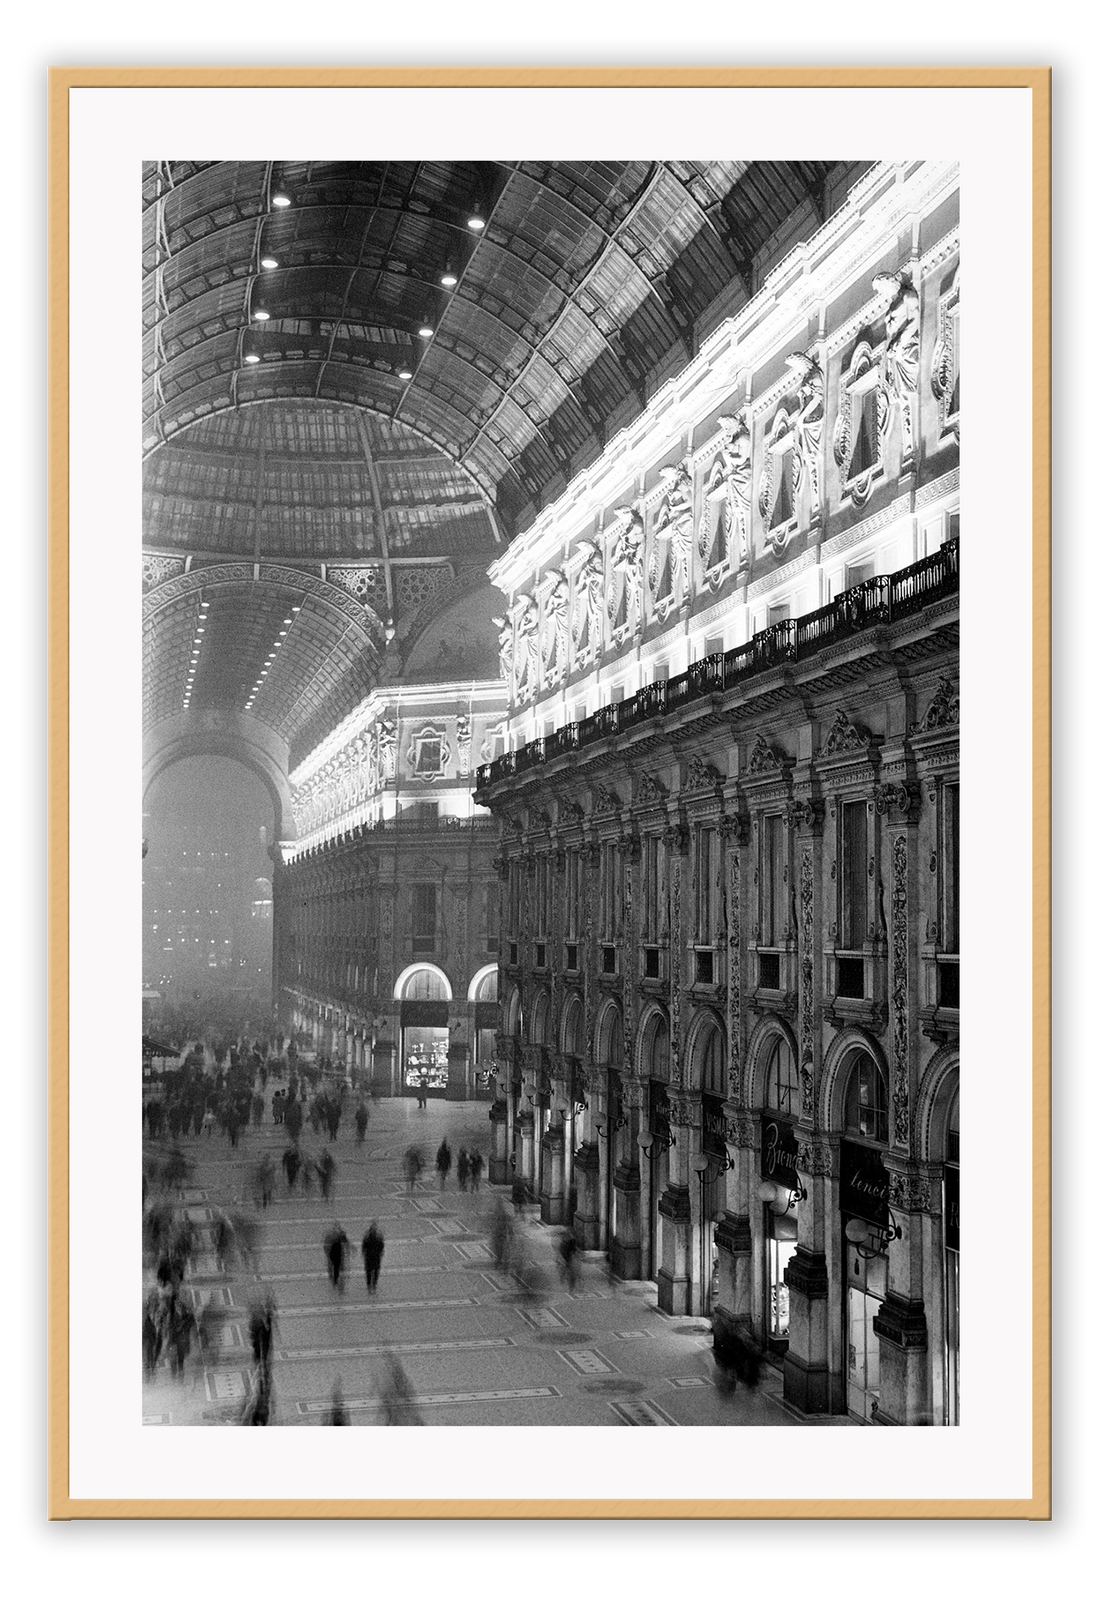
{"type": "Point", "coordinates": [424, 993]}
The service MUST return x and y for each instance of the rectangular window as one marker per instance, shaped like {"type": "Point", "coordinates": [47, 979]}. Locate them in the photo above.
{"type": "Point", "coordinates": [428, 756]}
{"type": "Point", "coordinates": [572, 893]}
{"type": "Point", "coordinates": [423, 918]}
{"type": "Point", "coordinates": [949, 866]}
{"type": "Point", "coordinates": [651, 886]}
{"type": "Point", "coordinates": [773, 914]}
{"type": "Point", "coordinates": [704, 884]}
{"type": "Point", "coordinates": [492, 919]}
{"type": "Point", "coordinates": [609, 889]}
{"type": "Point", "coordinates": [779, 612]}
{"type": "Point", "coordinates": [852, 875]}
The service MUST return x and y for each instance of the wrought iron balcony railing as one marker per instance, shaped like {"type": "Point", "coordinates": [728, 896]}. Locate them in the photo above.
{"type": "Point", "coordinates": [879, 600]}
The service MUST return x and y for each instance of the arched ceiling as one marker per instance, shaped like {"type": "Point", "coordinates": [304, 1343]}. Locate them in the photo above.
{"type": "Point", "coordinates": [306, 443]}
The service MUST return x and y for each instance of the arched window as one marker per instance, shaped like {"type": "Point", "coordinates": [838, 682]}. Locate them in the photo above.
{"type": "Point", "coordinates": [711, 1059]}
{"type": "Point", "coordinates": [781, 1080]}
{"type": "Point", "coordinates": [613, 1039]}
{"type": "Point", "coordinates": [422, 983]}
{"type": "Point", "coordinates": [656, 1049]}
{"type": "Point", "coordinates": [572, 1040]}
{"type": "Point", "coordinates": [540, 1016]}
{"type": "Point", "coordinates": [485, 985]}
{"type": "Point", "coordinates": [865, 1101]}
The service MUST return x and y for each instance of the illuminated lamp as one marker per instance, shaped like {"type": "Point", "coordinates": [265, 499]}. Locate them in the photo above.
{"type": "Point", "coordinates": [404, 375]}
{"type": "Point", "coordinates": [269, 263]}
{"type": "Point", "coordinates": [475, 221]}
{"type": "Point", "coordinates": [448, 279]}
{"type": "Point", "coordinates": [280, 199]}
{"type": "Point", "coordinates": [252, 358]}
{"type": "Point", "coordinates": [426, 331]}
{"type": "Point", "coordinates": [261, 313]}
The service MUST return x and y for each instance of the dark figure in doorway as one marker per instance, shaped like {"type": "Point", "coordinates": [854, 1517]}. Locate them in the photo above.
{"type": "Point", "coordinates": [443, 1163]}
{"type": "Point", "coordinates": [463, 1170]}
{"type": "Point", "coordinates": [373, 1245]}
{"type": "Point", "coordinates": [422, 1093]}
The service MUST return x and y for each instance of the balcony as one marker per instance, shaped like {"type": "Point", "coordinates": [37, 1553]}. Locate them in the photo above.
{"type": "Point", "coordinates": [878, 601]}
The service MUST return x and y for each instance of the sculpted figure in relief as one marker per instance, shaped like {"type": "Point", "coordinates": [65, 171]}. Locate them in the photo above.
{"type": "Point", "coordinates": [505, 639]}
{"type": "Point", "coordinates": [677, 524]}
{"type": "Point", "coordinates": [901, 357]}
{"type": "Point", "coordinates": [587, 604]}
{"type": "Point", "coordinates": [809, 421]}
{"type": "Point", "coordinates": [524, 624]}
{"type": "Point", "coordinates": [626, 562]}
{"type": "Point", "coordinates": [387, 747]}
{"type": "Point", "coordinates": [730, 485]}
{"type": "Point", "coordinates": [555, 610]}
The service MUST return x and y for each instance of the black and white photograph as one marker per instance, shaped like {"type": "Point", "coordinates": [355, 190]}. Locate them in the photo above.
{"type": "Point", "coordinates": [551, 967]}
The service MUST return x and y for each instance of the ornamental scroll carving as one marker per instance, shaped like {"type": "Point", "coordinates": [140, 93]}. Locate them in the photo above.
{"type": "Point", "coordinates": [684, 1108]}
{"type": "Point", "coordinates": [702, 775]}
{"type": "Point", "coordinates": [899, 989]}
{"type": "Point", "coordinates": [844, 735]}
{"type": "Point", "coordinates": [724, 538]}
{"type": "Point", "coordinates": [158, 568]}
{"type": "Point", "coordinates": [463, 735]}
{"type": "Point", "coordinates": [733, 974]}
{"type": "Point", "coordinates": [809, 423]}
{"type": "Point", "coordinates": [861, 421]}
{"type": "Point", "coordinates": [806, 981]}
{"type": "Point", "coordinates": [943, 709]}
{"type": "Point", "coordinates": [367, 584]}
{"type": "Point", "coordinates": [765, 758]}
{"type": "Point", "coordinates": [945, 358]}
{"type": "Point", "coordinates": [912, 1192]}
{"type": "Point", "coordinates": [650, 789]}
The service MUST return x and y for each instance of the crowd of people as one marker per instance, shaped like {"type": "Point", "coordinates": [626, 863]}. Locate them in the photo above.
{"type": "Point", "coordinates": [265, 1085]}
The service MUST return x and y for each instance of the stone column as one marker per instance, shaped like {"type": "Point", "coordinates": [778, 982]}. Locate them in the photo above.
{"type": "Point", "coordinates": [458, 1055]}
{"type": "Point", "coordinates": [524, 1173]}
{"type": "Point", "coordinates": [733, 1303]}
{"type": "Point", "coordinates": [501, 1116]}
{"type": "Point", "coordinates": [588, 1221]}
{"type": "Point", "coordinates": [813, 1374]}
{"type": "Point", "coordinates": [552, 1176]}
{"type": "Point", "coordinates": [905, 1390]}
{"type": "Point", "coordinates": [674, 1276]}
{"type": "Point", "coordinates": [383, 1066]}
{"type": "Point", "coordinates": [626, 1246]}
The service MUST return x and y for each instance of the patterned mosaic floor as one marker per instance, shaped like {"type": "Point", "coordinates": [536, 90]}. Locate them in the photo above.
{"type": "Point", "coordinates": [477, 1347]}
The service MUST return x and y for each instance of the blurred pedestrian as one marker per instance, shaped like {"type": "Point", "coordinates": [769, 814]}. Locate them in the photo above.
{"type": "Point", "coordinates": [567, 1258]}
{"type": "Point", "coordinates": [414, 1164]}
{"type": "Point", "coordinates": [362, 1118]}
{"type": "Point", "coordinates": [398, 1400]}
{"type": "Point", "coordinates": [463, 1170]}
{"type": "Point", "coordinates": [336, 1248]}
{"type": "Point", "coordinates": [443, 1163]}
{"type": "Point", "coordinates": [261, 1328]}
{"type": "Point", "coordinates": [337, 1414]}
{"type": "Point", "coordinates": [292, 1164]}
{"type": "Point", "coordinates": [477, 1164]}
{"type": "Point", "coordinates": [326, 1172]}
{"type": "Point", "coordinates": [373, 1245]}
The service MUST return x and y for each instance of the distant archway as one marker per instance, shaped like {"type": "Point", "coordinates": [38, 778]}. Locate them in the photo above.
{"type": "Point", "coordinates": [422, 982]}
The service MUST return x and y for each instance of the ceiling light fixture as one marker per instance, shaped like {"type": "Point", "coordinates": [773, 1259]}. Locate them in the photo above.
{"type": "Point", "coordinates": [261, 313]}
{"type": "Point", "coordinates": [426, 331]}
{"type": "Point", "coordinates": [252, 358]}
{"type": "Point", "coordinates": [475, 220]}
{"type": "Point", "coordinates": [448, 279]}
{"type": "Point", "coordinates": [280, 199]}
{"type": "Point", "coordinates": [269, 263]}
{"type": "Point", "coordinates": [404, 375]}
